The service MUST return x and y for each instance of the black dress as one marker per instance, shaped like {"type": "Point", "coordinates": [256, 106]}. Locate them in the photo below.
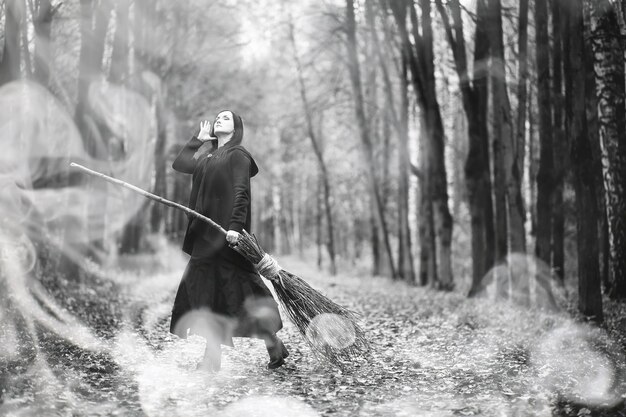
{"type": "Point", "coordinates": [218, 280]}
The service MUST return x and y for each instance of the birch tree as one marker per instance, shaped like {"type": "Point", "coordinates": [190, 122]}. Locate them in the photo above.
{"type": "Point", "coordinates": [610, 90]}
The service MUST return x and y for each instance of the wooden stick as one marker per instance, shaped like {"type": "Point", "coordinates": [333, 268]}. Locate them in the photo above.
{"type": "Point", "coordinates": [150, 196]}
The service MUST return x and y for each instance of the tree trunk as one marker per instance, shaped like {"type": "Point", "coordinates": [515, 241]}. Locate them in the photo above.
{"type": "Point", "coordinates": [277, 210]}
{"type": "Point", "coordinates": [382, 168]}
{"type": "Point", "coordinates": [477, 170]}
{"type": "Point", "coordinates": [499, 194]}
{"type": "Point", "coordinates": [558, 144]}
{"type": "Point", "coordinates": [28, 64]}
{"type": "Point", "coordinates": [90, 69]}
{"type": "Point", "coordinates": [516, 211]}
{"type": "Point", "coordinates": [144, 12]}
{"type": "Point", "coordinates": [544, 176]}
{"type": "Point", "coordinates": [609, 70]}
{"type": "Point", "coordinates": [591, 107]}
{"type": "Point", "coordinates": [42, 23]}
{"type": "Point", "coordinates": [93, 28]}
{"type": "Point", "coordinates": [589, 283]}
{"type": "Point", "coordinates": [505, 149]}
{"type": "Point", "coordinates": [405, 259]}
{"type": "Point", "coordinates": [143, 19]}
{"type": "Point", "coordinates": [318, 222]}
{"type": "Point", "coordinates": [298, 228]}
{"type": "Point", "coordinates": [459, 131]}
{"type": "Point", "coordinates": [157, 212]}
{"type": "Point", "coordinates": [355, 79]}
{"type": "Point", "coordinates": [317, 150]}
{"type": "Point", "coordinates": [428, 245]}
{"type": "Point", "coordinates": [375, 241]}
{"type": "Point", "coordinates": [477, 166]}
{"type": "Point", "coordinates": [11, 52]}
{"type": "Point", "coordinates": [121, 45]}
{"type": "Point", "coordinates": [520, 142]}
{"type": "Point", "coordinates": [179, 192]}
{"type": "Point", "coordinates": [134, 230]}
{"type": "Point", "coordinates": [533, 164]}
{"type": "Point", "coordinates": [421, 63]}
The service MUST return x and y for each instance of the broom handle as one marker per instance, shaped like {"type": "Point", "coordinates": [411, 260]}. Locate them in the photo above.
{"type": "Point", "coordinates": [150, 196]}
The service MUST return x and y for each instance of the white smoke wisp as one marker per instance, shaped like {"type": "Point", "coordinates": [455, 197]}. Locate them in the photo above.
{"type": "Point", "coordinates": [38, 135]}
{"type": "Point", "coordinates": [581, 363]}
{"type": "Point", "coordinates": [524, 280]}
{"type": "Point", "coordinates": [331, 330]}
{"type": "Point", "coordinates": [45, 208]}
{"type": "Point", "coordinates": [130, 127]}
{"type": "Point", "coordinates": [40, 140]}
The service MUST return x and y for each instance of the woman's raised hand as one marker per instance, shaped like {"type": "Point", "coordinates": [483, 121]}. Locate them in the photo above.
{"type": "Point", "coordinates": [205, 130]}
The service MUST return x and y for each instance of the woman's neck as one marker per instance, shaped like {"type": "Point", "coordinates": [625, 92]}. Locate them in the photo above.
{"type": "Point", "coordinates": [222, 139]}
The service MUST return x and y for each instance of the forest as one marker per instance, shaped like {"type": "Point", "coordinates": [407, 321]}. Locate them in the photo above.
{"type": "Point", "coordinates": [431, 164]}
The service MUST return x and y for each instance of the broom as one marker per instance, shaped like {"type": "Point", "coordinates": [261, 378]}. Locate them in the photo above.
{"type": "Point", "coordinates": [331, 330]}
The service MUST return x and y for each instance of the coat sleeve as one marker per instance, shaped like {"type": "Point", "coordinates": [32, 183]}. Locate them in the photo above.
{"type": "Point", "coordinates": [187, 158]}
{"type": "Point", "coordinates": [240, 166]}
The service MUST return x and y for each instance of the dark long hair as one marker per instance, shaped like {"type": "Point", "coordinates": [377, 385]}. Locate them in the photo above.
{"type": "Point", "coordinates": [237, 134]}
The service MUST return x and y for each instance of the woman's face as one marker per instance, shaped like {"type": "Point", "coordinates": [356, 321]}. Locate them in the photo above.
{"type": "Point", "coordinates": [224, 123]}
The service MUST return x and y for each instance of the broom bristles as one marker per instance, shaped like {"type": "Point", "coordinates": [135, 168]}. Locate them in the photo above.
{"type": "Point", "coordinates": [303, 303]}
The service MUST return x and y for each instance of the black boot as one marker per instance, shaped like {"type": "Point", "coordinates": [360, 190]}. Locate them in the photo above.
{"type": "Point", "coordinates": [278, 352]}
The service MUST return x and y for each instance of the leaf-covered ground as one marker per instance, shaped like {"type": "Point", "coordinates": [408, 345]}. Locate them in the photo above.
{"type": "Point", "coordinates": [433, 354]}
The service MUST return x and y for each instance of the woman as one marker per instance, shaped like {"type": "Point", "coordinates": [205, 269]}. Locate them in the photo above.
{"type": "Point", "coordinates": [221, 295]}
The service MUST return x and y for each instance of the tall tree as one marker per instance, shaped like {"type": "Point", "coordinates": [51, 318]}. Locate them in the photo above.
{"type": "Point", "coordinates": [543, 246]}
{"type": "Point", "coordinates": [120, 55]}
{"type": "Point", "coordinates": [428, 244]}
{"type": "Point", "coordinates": [474, 93]}
{"type": "Point", "coordinates": [94, 21]}
{"type": "Point", "coordinates": [405, 258]}
{"type": "Point", "coordinates": [11, 53]}
{"type": "Point", "coordinates": [591, 106]}
{"type": "Point", "coordinates": [420, 58]}
{"type": "Point", "coordinates": [514, 215]}
{"type": "Point", "coordinates": [119, 73]}
{"type": "Point", "coordinates": [610, 91]}
{"type": "Point", "coordinates": [438, 188]}
{"type": "Point", "coordinates": [401, 123]}
{"type": "Point", "coordinates": [43, 14]}
{"type": "Point", "coordinates": [522, 96]}
{"type": "Point", "coordinates": [317, 150]}
{"type": "Point", "coordinates": [559, 149]}
{"type": "Point", "coordinates": [362, 125]}
{"type": "Point", "coordinates": [499, 144]}
{"type": "Point", "coordinates": [146, 67]}
{"type": "Point", "coordinates": [589, 282]}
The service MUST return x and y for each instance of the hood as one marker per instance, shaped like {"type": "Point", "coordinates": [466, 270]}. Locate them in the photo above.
{"type": "Point", "coordinates": [254, 169]}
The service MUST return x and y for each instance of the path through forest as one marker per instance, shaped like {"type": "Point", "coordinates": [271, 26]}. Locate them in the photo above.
{"type": "Point", "coordinates": [434, 354]}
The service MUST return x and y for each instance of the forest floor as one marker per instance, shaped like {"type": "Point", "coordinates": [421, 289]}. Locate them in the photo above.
{"type": "Point", "coordinates": [433, 354]}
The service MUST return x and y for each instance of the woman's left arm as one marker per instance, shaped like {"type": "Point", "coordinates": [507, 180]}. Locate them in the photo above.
{"type": "Point", "coordinates": [240, 168]}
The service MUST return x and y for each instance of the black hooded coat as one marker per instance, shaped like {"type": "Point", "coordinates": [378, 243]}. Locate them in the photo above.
{"type": "Point", "coordinates": [217, 277]}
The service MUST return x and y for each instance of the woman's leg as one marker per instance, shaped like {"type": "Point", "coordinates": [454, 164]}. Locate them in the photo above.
{"type": "Point", "coordinates": [277, 351]}
{"type": "Point", "coordinates": [212, 360]}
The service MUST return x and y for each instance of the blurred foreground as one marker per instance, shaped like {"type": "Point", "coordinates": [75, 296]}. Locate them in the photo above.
{"type": "Point", "coordinates": [433, 353]}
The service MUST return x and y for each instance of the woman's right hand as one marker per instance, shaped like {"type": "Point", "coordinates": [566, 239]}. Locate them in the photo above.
{"type": "Point", "coordinates": [205, 130]}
